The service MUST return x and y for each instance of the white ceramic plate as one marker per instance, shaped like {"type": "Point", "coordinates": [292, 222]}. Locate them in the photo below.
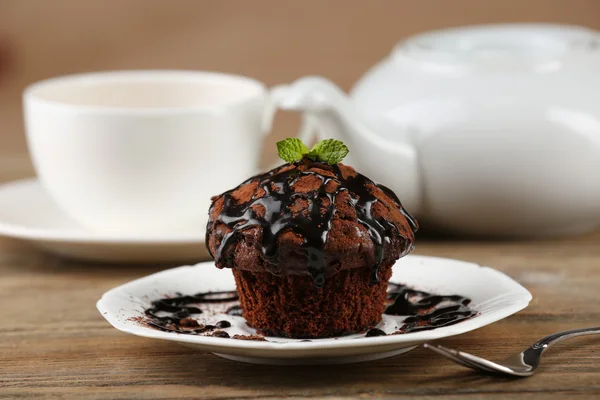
{"type": "Point", "coordinates": [27, 212]}
{"type": "Point", "coordinates": [493, 294]}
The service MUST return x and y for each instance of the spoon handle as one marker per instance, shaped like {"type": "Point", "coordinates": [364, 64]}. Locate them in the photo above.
{"type": "Point", "coordinates": [542, 344]}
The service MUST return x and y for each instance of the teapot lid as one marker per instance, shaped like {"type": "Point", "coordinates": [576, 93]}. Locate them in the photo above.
{"type": "Point", "coordinates": [498, 45]}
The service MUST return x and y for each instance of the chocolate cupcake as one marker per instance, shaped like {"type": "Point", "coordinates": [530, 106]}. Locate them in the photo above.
{"type": "Point", "coordinates": [311, 244]}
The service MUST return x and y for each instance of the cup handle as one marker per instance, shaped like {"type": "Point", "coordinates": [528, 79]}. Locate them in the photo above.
{"type": "Point", "coordinates": [273, 103]}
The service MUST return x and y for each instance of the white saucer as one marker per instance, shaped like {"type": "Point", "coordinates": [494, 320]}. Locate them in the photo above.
{"type": "Point", "coordinates": [28, 213]}
{"type": "Point", "coordinates": [493, 294]}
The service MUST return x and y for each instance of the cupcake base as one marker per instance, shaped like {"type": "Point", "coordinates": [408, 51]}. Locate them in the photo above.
{"type": "Point", "coordinates": [291, 306]}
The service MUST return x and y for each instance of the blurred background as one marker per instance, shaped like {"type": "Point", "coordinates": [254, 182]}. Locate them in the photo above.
{"type": "Point", "coordinates": [270, 40]}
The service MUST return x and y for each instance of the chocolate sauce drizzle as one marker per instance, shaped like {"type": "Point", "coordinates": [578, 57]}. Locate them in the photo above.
{"type": "Point", "coordinates": [179, 310]}
{"type": "Point", "coordinates": [426, 311]}
{"type": "Point", "coordinates": [234, 311]}
{"type": "Point", "coordinates": [375, 332]}
{"type": "Point", "coordinates": [423, 310]}
{"type": "Point", "coordinates": [314, 227]}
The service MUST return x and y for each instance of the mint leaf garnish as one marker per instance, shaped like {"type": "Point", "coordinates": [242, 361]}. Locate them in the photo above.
{"type": "Point", "coordinates": [291, 149]}
{"type": "Point", "coordinates": [331, 151]}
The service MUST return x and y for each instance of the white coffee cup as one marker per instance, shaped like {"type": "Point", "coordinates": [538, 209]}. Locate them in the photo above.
{"type": "Point", "coordinates": [142, 152]}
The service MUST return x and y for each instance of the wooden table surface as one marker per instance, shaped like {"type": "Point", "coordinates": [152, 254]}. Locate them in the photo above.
{"type": "Point", "coordinates": [54, 344]}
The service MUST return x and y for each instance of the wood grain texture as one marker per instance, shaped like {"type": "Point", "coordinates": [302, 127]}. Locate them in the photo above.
{"type": "Point", "coordinates": [54, 344]}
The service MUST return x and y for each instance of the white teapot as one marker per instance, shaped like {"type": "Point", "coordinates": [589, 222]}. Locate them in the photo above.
{"type": "Point", "coordinates": [486, 130]}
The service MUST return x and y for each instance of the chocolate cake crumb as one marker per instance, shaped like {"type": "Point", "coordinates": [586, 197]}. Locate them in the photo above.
{"type": "Point", "coordinates": [256, 338]}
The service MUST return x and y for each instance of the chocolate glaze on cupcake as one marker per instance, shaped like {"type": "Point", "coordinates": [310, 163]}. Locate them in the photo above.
{"type": "Point", "coordinates": [311, 246]}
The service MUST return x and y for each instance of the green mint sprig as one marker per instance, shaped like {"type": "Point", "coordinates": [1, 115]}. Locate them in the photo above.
{"type": "Point", "coordinates": [330, 151]}
{"type": "Point", "coordinates": [291, 149]}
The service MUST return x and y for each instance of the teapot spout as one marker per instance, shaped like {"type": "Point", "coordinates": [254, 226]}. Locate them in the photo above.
{"type": "Point", "coordinates": [329, 112]}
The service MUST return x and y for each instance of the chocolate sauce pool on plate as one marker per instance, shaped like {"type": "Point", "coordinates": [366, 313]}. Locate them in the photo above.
{"type": "Point", "coordinates": [423, 311]}
{"type": "Point", "coordinates": [278, 218]}
{"type": "Point", "coordinates": [179, 309]}
{"type": "Point", "coordinates": [426, 311]}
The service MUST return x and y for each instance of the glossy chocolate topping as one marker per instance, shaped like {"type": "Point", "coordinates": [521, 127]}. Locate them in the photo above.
{"type": "Point", "coordinates": [305, 217]}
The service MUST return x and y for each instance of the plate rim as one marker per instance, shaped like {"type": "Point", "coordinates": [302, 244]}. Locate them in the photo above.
{"type": "Point", "coordinates": [16, 231]}
{"type": "Point", "coordinates": [520, 296]}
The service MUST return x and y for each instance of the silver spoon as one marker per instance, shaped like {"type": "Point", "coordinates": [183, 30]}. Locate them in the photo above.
{"type": "Point", "coordinates": [522, 364]}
